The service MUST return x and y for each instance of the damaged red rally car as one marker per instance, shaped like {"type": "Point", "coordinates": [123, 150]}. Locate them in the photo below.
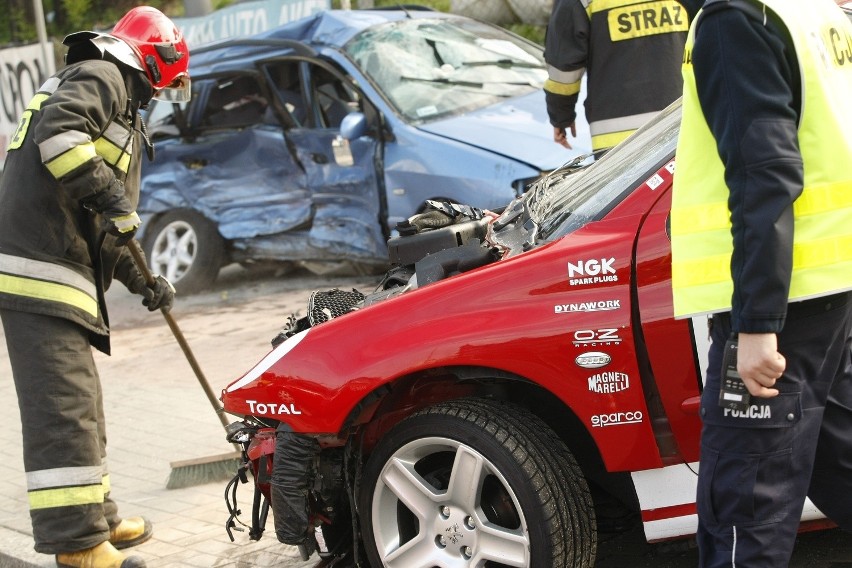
{"type": "Point", "coordinates": [514, 385]}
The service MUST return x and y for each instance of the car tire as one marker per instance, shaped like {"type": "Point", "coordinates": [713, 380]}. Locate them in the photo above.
{"type": "Point", "coordinates": [529, 504]}
{"type": "Point", "coordinates": [186, 248]}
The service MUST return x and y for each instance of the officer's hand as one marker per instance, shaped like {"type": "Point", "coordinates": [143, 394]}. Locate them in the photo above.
{"type": "Point", "coordinates": [161, 296]}
{"type": "Point", "coordinates": [759, 363]}
{"type": "Point", "coordinates": [120, 218]}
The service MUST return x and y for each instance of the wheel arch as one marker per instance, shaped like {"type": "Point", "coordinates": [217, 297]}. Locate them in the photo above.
{"type": "Point", "coordinates": [385, 406]}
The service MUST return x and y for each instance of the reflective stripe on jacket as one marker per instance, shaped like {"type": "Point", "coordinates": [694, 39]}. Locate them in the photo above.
{"type": "Point", "coordinates": [630, 52]}
{"type": "Point", "coordinates": [700, 222]}
{"type": "Point", "coordinates": [74, 138]}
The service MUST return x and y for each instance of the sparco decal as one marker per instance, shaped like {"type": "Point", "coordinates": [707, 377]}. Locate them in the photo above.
{"type": "Point", "coordinates": [272, 408]}
{"type": "Point", "coordinates": [592, 337]}
{"type": "Point", "coordinates": [599, 306]}
{"type": "Point", "coordinates": [609, 382]}
{"type": "Point", "coordinates": [595, 271]}
{"type": "Point", "coordinates": [617, 418]}
{"type": "Point", "coordinates": [592, 360]}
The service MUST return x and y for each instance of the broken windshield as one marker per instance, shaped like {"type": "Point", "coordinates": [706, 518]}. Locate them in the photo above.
{"type": "Point", "coordinates": [566, 199]}
{"type": "Point", "coordinates": [430, 68]}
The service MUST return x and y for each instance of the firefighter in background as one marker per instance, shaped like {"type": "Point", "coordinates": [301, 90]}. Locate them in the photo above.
{"type": "Point", "coordinates": [67, 208]}
{"type": "Point", "coordinates": [761, 230]}
{"type": "Point", "coordinates": [630, 54]}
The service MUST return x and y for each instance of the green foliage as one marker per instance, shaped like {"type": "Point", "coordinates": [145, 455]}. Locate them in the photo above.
{"type": "Point", "coordinates": [17, 17]}
{"type": "Point", "coordinates": [17, 20]}
{"type": "Point", "coordinates": [530, 31]}
{"type": "Point", "coordinates": [77, 12]}
{"type": "Point", "coordinates": [440, 5]}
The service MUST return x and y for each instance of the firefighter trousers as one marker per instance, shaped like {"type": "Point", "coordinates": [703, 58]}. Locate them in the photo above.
{"type": "Point", "coordinates": [64, 437]}
{"type": "Point", "coordinates": [757, 466]}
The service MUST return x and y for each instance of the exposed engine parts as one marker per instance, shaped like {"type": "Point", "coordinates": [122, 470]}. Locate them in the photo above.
{"type": "Point", "coordinates": [310, 488]}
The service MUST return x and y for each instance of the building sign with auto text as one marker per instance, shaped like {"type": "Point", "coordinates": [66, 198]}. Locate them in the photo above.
{"type": "Point", "coordinates": [246, 19]}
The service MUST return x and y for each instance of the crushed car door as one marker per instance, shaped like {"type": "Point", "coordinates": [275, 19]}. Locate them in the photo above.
{"type": "Point", "coordinates": [232, 163]}
{"type": "Point", "coordinates": [347, 196]}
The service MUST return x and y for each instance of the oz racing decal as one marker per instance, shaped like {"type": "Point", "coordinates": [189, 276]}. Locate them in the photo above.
{"type": "Point", "coordinates": [585, 307]}
{"type": "Point", "coordinates": [593, 337]}
{"type": "Point", "coordinates": [617, 418]}
{"type": "Point", "coordinates": [609, 382]}
{"type": "Point", "coordinates": [592, 360]}
{"type": "Point", "coordinates": [594, 271]}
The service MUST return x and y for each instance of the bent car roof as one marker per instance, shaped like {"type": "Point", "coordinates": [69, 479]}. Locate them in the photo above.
{"type": "Point", "coordinates": [328, 28]}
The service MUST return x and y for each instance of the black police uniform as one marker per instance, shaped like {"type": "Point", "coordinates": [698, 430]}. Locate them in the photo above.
{"type": "Point", "coordinates": [757, 466]}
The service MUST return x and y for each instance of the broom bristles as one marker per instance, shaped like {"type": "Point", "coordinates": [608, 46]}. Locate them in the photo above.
{"type": "Point", "coordinates": [198, 471]}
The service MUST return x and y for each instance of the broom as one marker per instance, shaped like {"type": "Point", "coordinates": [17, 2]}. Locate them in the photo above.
{"type": "Point", "coordinates": [196, 471]}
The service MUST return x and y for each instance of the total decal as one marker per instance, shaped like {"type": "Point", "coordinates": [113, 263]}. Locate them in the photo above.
{"type": "Point", "coordinates": [593, 271]}
{"type": "Point", "coordinates": [617, 419]}
{"type": "Point", "coordinates": [272, 408]}
{"type": "Point", "coordinates": [586, 307]}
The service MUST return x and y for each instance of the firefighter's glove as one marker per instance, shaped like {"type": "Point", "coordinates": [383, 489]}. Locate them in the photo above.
{"type": "Point", "coordinates": [120, 219]}
{"type": "Point", "coordinates": [161, 296]}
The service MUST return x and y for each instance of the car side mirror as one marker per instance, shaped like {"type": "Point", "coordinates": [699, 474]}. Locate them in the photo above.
{"type": "Point", "coordinates": [353, 125]}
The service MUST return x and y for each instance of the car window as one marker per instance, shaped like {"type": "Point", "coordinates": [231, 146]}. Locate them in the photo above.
{"type": "Point", "coordinates": [284, 77]}
{"type": "Point", "coordinates": [160, 119]}
{"type": "Point", "coordinates": [234, 102]}
{"type": "Point", "coordinates": [334, 97]}
{"type": "Point", "coordinates": [566, 200]}
{"type": "Point", "coordinates": [429, 68]}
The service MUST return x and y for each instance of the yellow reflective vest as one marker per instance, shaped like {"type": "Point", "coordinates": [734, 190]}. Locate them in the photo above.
{"type": "Point", "coordinates": [700, 220]}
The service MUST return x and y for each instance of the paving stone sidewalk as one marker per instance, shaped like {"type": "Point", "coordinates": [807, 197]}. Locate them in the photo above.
{"type": "Point", "coordinates": [157, 413]}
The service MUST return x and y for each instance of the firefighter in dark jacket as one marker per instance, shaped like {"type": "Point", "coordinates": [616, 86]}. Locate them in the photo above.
{"type": "Point", "coordinates": [761, 229]}
{"type": "Point", "coordinates": [630, 53]}
{"type": "Point", "coordinates": [67, 210]}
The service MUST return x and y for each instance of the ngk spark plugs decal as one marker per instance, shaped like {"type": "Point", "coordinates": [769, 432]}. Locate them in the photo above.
{"type": "Point", "coordinates": [592, 271]}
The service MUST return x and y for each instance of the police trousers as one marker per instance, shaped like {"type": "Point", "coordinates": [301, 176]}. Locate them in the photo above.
{"type": "Point", "coordinates": [757, 466]}
{"type": "Point", "coordinates": [64, 437]}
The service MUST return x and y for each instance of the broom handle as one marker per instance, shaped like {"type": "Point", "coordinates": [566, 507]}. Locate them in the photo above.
{"type": "Point", "coordinates": [139, 259]}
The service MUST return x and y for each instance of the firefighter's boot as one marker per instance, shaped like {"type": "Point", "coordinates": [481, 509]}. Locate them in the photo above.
{"type": "Point", "coordinates": [130, 532]}
{"type": "Point", "coordinates": [103, 555]}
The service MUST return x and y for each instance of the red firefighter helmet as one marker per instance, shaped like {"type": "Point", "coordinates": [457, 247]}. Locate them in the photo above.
{"type": "Point", "coordinates": [161, 49]}
{"type": "Point", "coordinates": [147, 40]}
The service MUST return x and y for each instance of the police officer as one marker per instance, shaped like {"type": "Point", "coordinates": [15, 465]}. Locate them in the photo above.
{"type": "Point", "coordinates": [67, 208]}
{"type": "Point", "coordinates": [630, 53]}
{"type": "Point", "coordinates": [762, 237]}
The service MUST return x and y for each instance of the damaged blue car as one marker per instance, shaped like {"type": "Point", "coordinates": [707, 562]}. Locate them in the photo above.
{"type": "Point", "coordinates": [307, 144]}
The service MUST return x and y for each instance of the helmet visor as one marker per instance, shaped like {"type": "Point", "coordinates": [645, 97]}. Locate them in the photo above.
{"type": "Point", "coordinates": [178, 91]}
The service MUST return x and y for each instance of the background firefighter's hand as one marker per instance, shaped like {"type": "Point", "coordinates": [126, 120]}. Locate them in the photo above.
{"type": "Point", "coordinates": [560, 136]}
{"type": "Point", "coordinates": [120, 218]}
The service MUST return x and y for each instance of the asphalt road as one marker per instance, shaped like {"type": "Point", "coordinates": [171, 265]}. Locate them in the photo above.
{"type": "Point", "coordinates": [823, 549]}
